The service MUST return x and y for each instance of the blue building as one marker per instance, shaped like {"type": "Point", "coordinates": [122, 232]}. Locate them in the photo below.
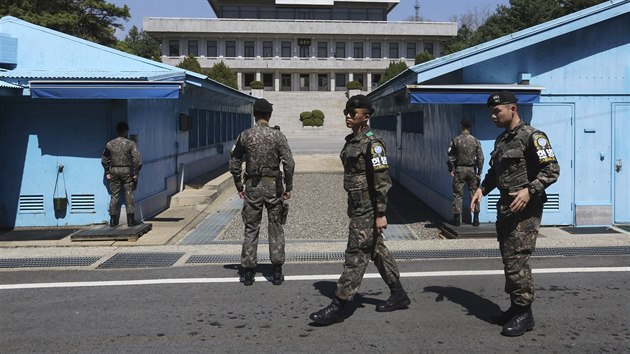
{"type": "Point", "coordinates": [572, 76]}
{"type": "Point", "coordinates": [60, 100]}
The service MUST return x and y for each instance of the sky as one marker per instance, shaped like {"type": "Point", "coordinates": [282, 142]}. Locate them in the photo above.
{"type": "Point", "coordinates": [432, 10]}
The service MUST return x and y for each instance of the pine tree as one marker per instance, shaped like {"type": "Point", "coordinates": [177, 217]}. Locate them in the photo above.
{"type": "Point", "coordinates": [223, 74]}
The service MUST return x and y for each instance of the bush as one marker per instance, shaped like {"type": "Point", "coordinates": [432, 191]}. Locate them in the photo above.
{"type": "Point", "coordinates": [423, 57]}
{"type": "Point", "coordinates": [305, 115]}
{"type": "Point", "coordinates": [317, 114]}
{"type": "Point", "coordinates": [256, 85]}
{"type": "Point", "coordinates": [307, 122]}
{"type": "Point", "coordinates": [317, 122]}
{"type": "Point", "coordinates": [354, 85]}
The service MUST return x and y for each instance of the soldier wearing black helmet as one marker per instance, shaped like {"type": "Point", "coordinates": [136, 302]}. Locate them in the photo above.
{"type": "Point", "coordinates": [523, 164]}
{"type": "Point", "coordinates": [121, 161]}
{"type": "Point", "coordinates": [366, 180]}
{"type": "Point", "coordinates": [465, 162]}
{"type": "Point", "coordinates": [263, 149]}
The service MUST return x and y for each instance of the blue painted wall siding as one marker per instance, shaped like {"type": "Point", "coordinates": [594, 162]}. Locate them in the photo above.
{"type": "Point", "coordinates": [584, 72]}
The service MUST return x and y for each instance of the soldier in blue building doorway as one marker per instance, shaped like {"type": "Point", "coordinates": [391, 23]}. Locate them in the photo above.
{"type": "Point", "coordinates": [366, 180]}
{"type": "Point", "coordinates": [465, 162]}
{"type": "Point", "coordinates": [522, 166]}
{"type": "Point", "coordinates": [122, 162]}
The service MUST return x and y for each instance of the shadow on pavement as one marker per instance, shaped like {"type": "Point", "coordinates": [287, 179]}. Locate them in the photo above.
{"type": "Point", "coordinates": [476, 305]}
{"type": "Point", "coordinates": [327, 288]}
{"type": "Point", "coordinates": [406, 208]}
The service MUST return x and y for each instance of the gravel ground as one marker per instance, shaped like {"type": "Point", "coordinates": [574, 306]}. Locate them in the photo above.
{"type": "Point", "coordinates": [318, 212]}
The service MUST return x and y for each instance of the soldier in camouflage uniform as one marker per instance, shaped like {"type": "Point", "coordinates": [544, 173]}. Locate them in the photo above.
{"type": "Point", "coordinates": [263, 149]}
{"type": "Point", "coordinates": [465, 162]}
{"type": "Point", "coordinates": [522, 165]}
{"type": "Point", "coordinates": [121, 161]}
{"type": "Point", "coordinates": [366, 180]}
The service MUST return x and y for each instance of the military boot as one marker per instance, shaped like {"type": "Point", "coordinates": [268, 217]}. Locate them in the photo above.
{"type": "Point", "coordinates": [131, 220]}
{"type": "Point", "coordinates": [505, 316]}
{"type": "Point", "coordinates": [521, 322]}
{"type": "Point", "coordinates": [455, 221]}
{"type": "Point", "coordinates": [329, 314]}
{"type": "Point", "coordinates": [398, 299]}
{"type": "Point", "coordinates": [248, 276]}
{"type": "Point", "coordinates": [475, 219]}
{"type": "Point", "coordinates": [113, 220]}
{"type": "Point", "coordinates": [278, 278]}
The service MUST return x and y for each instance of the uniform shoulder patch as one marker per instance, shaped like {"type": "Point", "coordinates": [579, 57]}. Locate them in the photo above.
{"type": "Point", "coordinates": [543, 147]}
{"type": "Point", "coordinates": [377, 156]}
{"type": "Point", "coordinates": [369, 133]}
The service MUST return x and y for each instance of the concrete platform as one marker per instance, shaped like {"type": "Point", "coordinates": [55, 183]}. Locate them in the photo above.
{"type": "Point", "coordinates": [484, 230]}
{"type": "Point", "coordinates": [106, 233]}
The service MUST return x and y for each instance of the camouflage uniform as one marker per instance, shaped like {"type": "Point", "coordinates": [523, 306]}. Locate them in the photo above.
{"type": "Point", "coordinates": [465, 158]}
{"type": "Point", "coordinates": [263, 149]}
{"type": "Point", "coordinates": [522, 158]}
{"type": "Point", "coordinates": [367, 181]}
{"type": "Point", "coordinates": [121, 159]}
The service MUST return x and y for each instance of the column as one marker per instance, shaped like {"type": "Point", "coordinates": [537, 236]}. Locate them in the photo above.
{"type": "Point", "coordinates": [276, 81]}
{"type": "Point", "coordinates": [333, 81]}
{"type": "Point", "coordinates": [239, 80]}
{"type": "Point", "coordinates": [369, 81]}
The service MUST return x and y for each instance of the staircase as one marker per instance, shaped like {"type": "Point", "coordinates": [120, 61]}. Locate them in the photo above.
{"type": "Point", "coordinates": [287, 107]}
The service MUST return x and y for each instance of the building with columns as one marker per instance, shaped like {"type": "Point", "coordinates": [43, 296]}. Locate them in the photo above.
{"type": "Point", "coordinates": [299, 45]}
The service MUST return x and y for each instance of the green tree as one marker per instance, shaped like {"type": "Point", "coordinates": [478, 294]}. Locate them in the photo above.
{"type": "Point", "coordinates": [394, 68]}
{"type": "Point", "coordinates": [93, 20]}
{"type": "Point", "coordinates": [422, 57]}
{"type": "Point", "coordinates": [141, 44]}
{"type": "Point", "coordinates": [223, 74]}
{"type": "Point", "coordinates": [190, 63]}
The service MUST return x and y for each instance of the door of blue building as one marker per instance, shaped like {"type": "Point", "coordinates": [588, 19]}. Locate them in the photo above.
{"type": "Point", "coordinates": [556, 120]}
{"type": "Point", "coordinates": [621, 163]}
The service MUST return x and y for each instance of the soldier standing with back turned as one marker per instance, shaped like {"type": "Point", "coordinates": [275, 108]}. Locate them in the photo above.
{"type": "Point", "coordinates": [522, 165]}
{"type": "Point", "coordinates": [263, 149]}
{"type": "Point", "coordinates": [465, 162]}
{"type": "Point", "coordinates": [366, 180]}
{"type": "Point", "coordinates": [121, 161]}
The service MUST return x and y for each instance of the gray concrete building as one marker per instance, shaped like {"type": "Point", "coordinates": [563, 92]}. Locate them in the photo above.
{"type": "Point", "coordinates": [299, 45]}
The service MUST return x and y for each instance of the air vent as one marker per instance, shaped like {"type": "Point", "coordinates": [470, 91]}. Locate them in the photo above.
{"type": "Point", "coordinates": [32, 204]}
{"type": "Point", "coordinates": [492, 201]}
{"type": "Point", "coordinates": [82, 204]}
{"type": "Point", "coordinates": [552, 204]}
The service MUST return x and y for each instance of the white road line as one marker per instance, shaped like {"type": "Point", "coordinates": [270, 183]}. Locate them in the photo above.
{"type": "Point", "coordinates": [86, 284]}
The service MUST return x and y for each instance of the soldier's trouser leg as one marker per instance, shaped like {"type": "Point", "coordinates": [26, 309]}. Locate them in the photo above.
{"type": "Point", "coordinates": [115, 187]}
{"type": "Point", "coordinates": [458, 191]}
{"type": "Point", "coordinates": [517, 240]}
{"type": "Point", "coordinates": [276, 232]}
{"type": "Point", "coordinates": [252, 214]}
{"type": "Point", "coordinates": [362, 246]}
{"type": "Point", "coordinates": [128, 187]}
{"type": "Point", "coordinates": [472, 180]}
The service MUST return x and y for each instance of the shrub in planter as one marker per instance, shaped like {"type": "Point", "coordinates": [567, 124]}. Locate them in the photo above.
{"type": "Point", "coordinates": [317, 122]}
{"type": "Point", "coordinates": [317, 114]}
{"type": "Point", "coordinates": [354, 85]}
{"type": "Point", "coordinates": [308, 122]}
{"type": "Point", "coordinates": [256, 85]}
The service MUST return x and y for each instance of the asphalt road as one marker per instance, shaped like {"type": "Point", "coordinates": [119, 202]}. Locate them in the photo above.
{"type": "Point", "coordinates": [576, 311]}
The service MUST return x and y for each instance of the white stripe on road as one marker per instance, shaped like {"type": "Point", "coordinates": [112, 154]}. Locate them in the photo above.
{"type": "Point", "coordinates": [86, 284]}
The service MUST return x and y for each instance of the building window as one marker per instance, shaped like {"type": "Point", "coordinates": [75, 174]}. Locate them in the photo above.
{"type": "Point", "coordinates": [375, 79]}
{"type": "Point", "coordinates": [322, 82]}
{"type": "Point", "coordinates": [285, 49]}
{"type": "Point", "coordinates": [322, 49]}
{"type": "Point", "coordinates": [193, 48]}
{"type": "Point", "coordinates": [212, 49]}
{"type": "Point", "coordinates": [305, 82]}
{"type": "Point", "coordinates": [393, 51]}
{"type": "Point", "coordinates": [249, 49]}
{"type": "Point", "coordinates": [413, 122]}
{"type": "Point", "coordinates": [428, 47]}
{"type": "Point", "coordinates": [340, 80]}
{"type": "Point", "coordinates": [267, 79]}
{"type": "Point", "coordinates": [249, 12]}
{"type": "Point", "coordinates": [267, 49]}
{"type": "Point", "coordinates": [358, 50]}
{"type": "Point", "coordinates": [230, 49]}
{"type": "Point", "coordinates": [173, 48]}
{"type": "Point", "coordinates": [340, 50]}
{"type": "Point", "coordinates": [411, 50]}
{"type": "Point", "coordinates": [249, 77]}
{"type": "Point", "coordinates": [285, 82]}
{"type": "Point", "coordinates": [305, 51]}
{"type": "Point", "coordinates": [376, 50]}
{"type": "Point", "coordinates": [359, 78]}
